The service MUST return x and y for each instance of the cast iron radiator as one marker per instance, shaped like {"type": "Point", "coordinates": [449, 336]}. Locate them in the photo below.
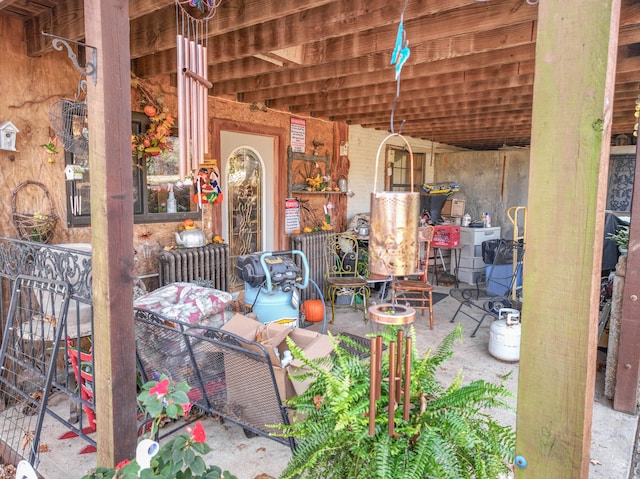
{"type": "Point", "coordinates": [207, 265]}
{"type": "Point", "coordinates": [313, 247]}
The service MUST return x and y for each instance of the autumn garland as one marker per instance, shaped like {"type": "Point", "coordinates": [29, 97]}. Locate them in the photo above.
{"type": "Point", "coordinates": [155, 140]}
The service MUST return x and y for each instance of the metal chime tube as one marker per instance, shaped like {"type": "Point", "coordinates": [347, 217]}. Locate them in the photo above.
{"type": "Point", "coordinates": [200, 109]}
{"type": "Point", "coordinates": [398, 372]}
{"type": "Point", "coordinates": [182, 149]}
{"type": "Point", "coordinates": [392, 388]}
{"type": "Point", "coordinates": [378, 366]}
{"type": "Point", "coordinates": [193, 98]}
{"type": "Point", "coordinates": [205, 101]}
{"type": "Point", "coordinates": [373, 380]}
{"type": "Point", "coordinates": [186, 119]}
{"type": "Point", "coordinates": [407, 379]}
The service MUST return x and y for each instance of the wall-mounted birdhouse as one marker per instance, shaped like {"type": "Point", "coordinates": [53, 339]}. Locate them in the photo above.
{"type": "Point", "coordinates": [8, 132]}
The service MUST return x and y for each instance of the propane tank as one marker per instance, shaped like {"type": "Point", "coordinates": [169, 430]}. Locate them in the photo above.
{"type": "Point", "coordinates": [504, 335]}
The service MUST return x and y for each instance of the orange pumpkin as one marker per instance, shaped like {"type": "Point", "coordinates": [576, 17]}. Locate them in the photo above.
{"type": "Point", "coordinates": [313, 310]}
{"type": "Point", "coordinates": [150, 111]}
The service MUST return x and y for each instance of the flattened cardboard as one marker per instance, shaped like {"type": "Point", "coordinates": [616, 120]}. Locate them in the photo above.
{"type": "Point", "coordinates": [314, 345]}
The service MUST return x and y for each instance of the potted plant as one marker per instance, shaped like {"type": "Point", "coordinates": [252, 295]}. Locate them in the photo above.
{"type": "Point", "coordinates": [449, 433]}
{"type": "Point", "coordinates": [621, 238]}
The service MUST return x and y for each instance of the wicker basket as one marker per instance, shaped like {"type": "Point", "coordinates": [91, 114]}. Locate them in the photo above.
{"type": "Point", "coordinates": [38, 223]}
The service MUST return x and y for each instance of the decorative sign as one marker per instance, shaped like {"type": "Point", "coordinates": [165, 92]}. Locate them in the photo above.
{"type": "Point", "coordinates": [298, 135]}
{"type": "Point", "coordinates": [291, 215]}
{"type": "Point", "coordinates": [209, 163]}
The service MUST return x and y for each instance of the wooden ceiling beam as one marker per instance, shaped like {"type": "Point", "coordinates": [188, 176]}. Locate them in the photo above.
{"type": "Point", "coordinates": [352, 79]}
{"type": "Point", "coordinates": [291, 28]}
{"type": "Point", "coordinates": [427, 113]}
{"type": "Point", "coordinates": [495, 95]}
{"type": "Point", "coordinates": [379, 61]}
{"type": "Point", "coordinates": [156, 19]}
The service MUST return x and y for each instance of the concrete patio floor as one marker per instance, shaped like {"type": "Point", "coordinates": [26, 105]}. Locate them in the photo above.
{"type": "Point", "coordinates": [613, 433]}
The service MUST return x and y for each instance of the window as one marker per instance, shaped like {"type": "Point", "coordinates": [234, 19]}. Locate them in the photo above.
{"type": "Point", "coordinates": [152, 183]}
{"type": "Point", "coordinates": [399, 170]}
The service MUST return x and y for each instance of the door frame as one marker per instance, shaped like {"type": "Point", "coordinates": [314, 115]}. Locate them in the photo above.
{"type": "Point", "coordinates": [280, 170]}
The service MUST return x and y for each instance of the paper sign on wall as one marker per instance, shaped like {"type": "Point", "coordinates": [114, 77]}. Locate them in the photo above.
{"type": "Point", "coordinates": [298, 135]}
{"type": "Point", "coordinates": [291, 215]}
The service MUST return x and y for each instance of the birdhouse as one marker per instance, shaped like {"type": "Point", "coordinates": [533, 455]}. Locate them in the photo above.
{"type": "Point", "coordinates": [8, 133]}
{"type": "Point", "coordinates": [74, 172]}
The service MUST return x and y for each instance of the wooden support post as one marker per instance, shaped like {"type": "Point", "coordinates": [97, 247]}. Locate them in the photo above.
{"type": "Point", "coordinates": [109, 106]}
{"type": "Point", "coordinates": [572, 108]}
{"type": "Point", "coordinates": [627, 370]}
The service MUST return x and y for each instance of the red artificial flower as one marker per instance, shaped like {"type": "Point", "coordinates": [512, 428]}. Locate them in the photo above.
{"type": "Point", "coordinates": [122, 463]}
{"type": "Point", "coordinates": [198, 434]}
{"type": "Point", "coordinates": [186, 408]}
{"type": "Point", "coordinates": [161, 388]}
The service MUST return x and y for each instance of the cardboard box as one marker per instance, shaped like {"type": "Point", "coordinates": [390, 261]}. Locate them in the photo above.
{"type": "Point", "coordinates": [453, 207]}
{"type": "Point", "coordinates": [314, 345]}
{"type": "Point", "coordinates": [273, 336]}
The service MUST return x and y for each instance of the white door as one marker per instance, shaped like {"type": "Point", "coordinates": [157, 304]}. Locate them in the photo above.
{"type": "Point", "coordinates": [247, 209]}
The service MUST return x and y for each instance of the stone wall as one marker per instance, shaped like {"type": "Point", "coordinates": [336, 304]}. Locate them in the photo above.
{"type": "Point", "coordinates": [490, 181]}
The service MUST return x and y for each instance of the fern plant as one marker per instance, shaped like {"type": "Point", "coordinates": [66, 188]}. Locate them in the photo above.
{"type": "Point", "coordinates": [450, 432]}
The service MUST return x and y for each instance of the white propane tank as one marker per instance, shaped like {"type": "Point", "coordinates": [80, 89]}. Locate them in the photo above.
{"type": "Point", "coordinates": [504, 335]}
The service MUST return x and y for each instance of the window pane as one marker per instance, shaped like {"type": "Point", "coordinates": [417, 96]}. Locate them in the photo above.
{"type": "Point", "coordinates": [152, 182]}
{"type": "Point", "coordinates": [163, 176]}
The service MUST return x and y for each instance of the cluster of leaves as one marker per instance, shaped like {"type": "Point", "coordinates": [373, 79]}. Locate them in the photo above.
{"type": "Point", "coordinates": [449, 434]}
{"type": "Point", "coordinates": [620, 237]}
{"type": "Point", "coordinates": [155, 140]}
{"type": "Point", "coordinates": [179, 458]}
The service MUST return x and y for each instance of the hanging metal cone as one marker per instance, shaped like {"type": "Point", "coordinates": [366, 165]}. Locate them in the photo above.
{"type": "Point", "coordinates": [393, 227]}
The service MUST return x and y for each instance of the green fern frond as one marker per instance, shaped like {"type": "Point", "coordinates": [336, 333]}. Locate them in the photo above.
{"type": "Point", "coordinates": [454, 437]}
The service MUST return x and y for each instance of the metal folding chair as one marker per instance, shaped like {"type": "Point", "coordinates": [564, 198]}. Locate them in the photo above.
{"type": "Point", "coordinates": [495, 290]}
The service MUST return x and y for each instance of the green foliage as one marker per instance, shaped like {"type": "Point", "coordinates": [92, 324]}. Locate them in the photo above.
{"type": "Point", "coordinates": [179, 458]}
{"type": "Point", "coordinates": [450, 432]}
{"type": "Point", "coordinates": [620, 237]}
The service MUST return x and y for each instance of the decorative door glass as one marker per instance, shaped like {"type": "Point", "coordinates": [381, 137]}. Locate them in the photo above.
{"type": "Point", "coordinates": [245, 186]}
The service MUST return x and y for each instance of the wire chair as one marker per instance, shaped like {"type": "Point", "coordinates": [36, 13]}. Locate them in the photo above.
{"type": "Point", "coordinates": [494, 290]}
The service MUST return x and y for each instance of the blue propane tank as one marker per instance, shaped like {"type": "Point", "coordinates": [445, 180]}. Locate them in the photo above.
{"type": "Point", "coordinates": [504, 335]}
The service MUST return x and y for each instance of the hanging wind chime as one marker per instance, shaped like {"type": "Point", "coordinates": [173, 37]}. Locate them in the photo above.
{"type": "Point", "coordinates": [193, 86]}
{"type": "Point", "coordinates": [393, 245]}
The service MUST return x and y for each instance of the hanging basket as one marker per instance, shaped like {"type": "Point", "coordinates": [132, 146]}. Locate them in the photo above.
{"type": "Point", "coordinates": [32, 212]}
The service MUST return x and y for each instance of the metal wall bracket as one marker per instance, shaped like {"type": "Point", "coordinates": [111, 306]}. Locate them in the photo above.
{"type": "Point", "coordinates": [90, 68]}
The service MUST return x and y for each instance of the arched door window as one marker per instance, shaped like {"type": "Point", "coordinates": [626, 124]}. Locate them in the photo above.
{"type": "Point", "coordinates": [245, 178]}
